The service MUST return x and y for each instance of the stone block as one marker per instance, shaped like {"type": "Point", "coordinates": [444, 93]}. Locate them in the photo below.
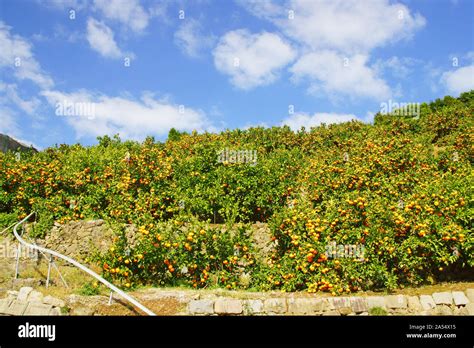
{"type": "Point", "coordinates": [253, 306]}
{"type": "Point", "coordinates": [459, 298]}
{"type": "Point", "coordinates": [55, 311]}
{"type": "Point", "coordinates": [12, 294]}
{"type": "Point", "coordinates": [4, 304]}
{"type": "Point", "coordinates": [35, 296]}
{"type": "Point", "coordinates": [376, 301]}
{"type": "Point", "coordinates": [24, 292]}
{"type": "Point", "coordinates": [346, 311]}
{"type": "Point", "coordinates": [414, 303]}
{"type": "Point", "coordinates": [328, 305]}
{"type": "Point", "coordinates": [201, 307]}
{"type": "Point", "coordinates": [470, 308]}
{"type": "Point", "coordinates": [16, 308]}
{"type": "Point", "coordinates": [228, 306]}
{"type": "Point", "coordinates": [301, 306]}
{"type": "Point", "coordinates": [427, 302]}
{"type": "Point", "coordinates": [441, 298]}
{"type": "Point", "coordinates": [275, 305]}
{"type": "Point", "coordinates": [36, 308]}
{"type": "Point", "coordinates": [53, 301]}
{"type": "Point", "coordinates": [442, 310]}
{"type": "Point", "coordinates": [340, 302]}
{"type": "Point", "coordinates": [396, 301]}
{"type": "Point", "coordinates": [470, 295]}
{"type": "Point", "coordinates": [359, 304]}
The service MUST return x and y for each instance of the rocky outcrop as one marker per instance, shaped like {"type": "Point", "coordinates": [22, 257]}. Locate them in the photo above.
{"type": "Point", "coordinates": [9, 144]}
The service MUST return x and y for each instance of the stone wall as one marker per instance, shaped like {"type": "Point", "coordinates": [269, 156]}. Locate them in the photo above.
{"type": "Point", "coordinates": [197, 303]}
{"type": "Point", "coordinates": [440, 303]}
{"type": "Point", "coordinates": [79, 240]}
{"type": "Point", "coordinates": [83, 239]}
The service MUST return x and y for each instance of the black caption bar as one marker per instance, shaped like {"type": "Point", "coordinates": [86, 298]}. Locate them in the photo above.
{"type": "Point", "coordinates": [240, 331]}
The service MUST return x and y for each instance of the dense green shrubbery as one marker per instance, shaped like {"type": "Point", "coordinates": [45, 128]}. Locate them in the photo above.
{"type": "Point", "coordinates": [178, 253]}
{"type": "Point", "coordinates": [401, 188]}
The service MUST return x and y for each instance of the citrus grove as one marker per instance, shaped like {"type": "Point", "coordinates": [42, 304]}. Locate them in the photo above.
{"type": "Point", "coordinates": [400, 187]}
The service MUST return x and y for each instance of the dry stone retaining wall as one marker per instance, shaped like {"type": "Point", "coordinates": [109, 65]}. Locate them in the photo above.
{"type": "Point", "coordinates": [79, 239]}
{"type": "Point", "coordinates": [440, 303]}
{"type": "Point", "coordinates": [82, 239]}
{"type": "Point", "coordinates": [27, 301]}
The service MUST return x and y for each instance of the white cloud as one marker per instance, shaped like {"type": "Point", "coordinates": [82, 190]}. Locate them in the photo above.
{"type": "Point", "coordinates": [132, 119]}
{"type": "Point", "coordinates": [252, 60]}
{"type": "Point", "coordinates": [267, 9]}
{"type": "Point", "coordinates": [9, 97]}
{"type": "Point", "coordinates": [8, 124]}
{"type": "Point", "coordinates": [62, 32]}
{"type": "Point", "coordinates": [190, 38]}
{"type": "Point", "coordinates": [16, 54]}
{"type": "Point", "coordinates": [400, 67]}
{"type": "Point", "coordinates": [160, 10]}
{"type": "Point", "coordinates": [298, 120]}
{"type": "Point", "coordinates": [64, 4]}
{"type": "Point", "coordinates": [12, 96]}
{"type": "Point", "coordinates": [330, 72]}
{"type": "Point", "coordinates": [345, 28]}
{"type": "Point", "coordinates": [459, 80]}
{"type": "Point", "coordinates": [350, 26]}
{"type": "Point", "coordinates": [127, 12]}
{"type": "Point", "coordinates": [101, 39]}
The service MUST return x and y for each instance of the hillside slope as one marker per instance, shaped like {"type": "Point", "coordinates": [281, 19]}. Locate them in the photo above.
{"type": "Point", "coordinates": [349, 206]}
{"type": "Point", "coordinates": [9, 144]}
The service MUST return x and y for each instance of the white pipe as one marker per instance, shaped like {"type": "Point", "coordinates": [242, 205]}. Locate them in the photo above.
{"type": "Point", "coordinates": [50, 260]}
{"type": "Point", "coordinates": [6, 229]}
{"type": "Point", "coordinates": [17, 263]}
{"type": "Point", "coordinates": [78, 265]}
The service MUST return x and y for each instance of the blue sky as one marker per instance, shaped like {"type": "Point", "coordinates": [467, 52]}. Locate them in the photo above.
{"type": "Point", "coordinates": [75, 69]}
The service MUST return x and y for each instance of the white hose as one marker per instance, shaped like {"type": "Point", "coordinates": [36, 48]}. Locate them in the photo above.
{"type": "Point", "coordinates": [80, 266]}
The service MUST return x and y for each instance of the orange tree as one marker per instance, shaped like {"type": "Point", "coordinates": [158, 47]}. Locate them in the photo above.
{"type": "Point", "coordinates": [399, 188]}
{"type": "Point", "coordinates": [178, 253]}
{"type": "Point", "coordinates": [388, 193]}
